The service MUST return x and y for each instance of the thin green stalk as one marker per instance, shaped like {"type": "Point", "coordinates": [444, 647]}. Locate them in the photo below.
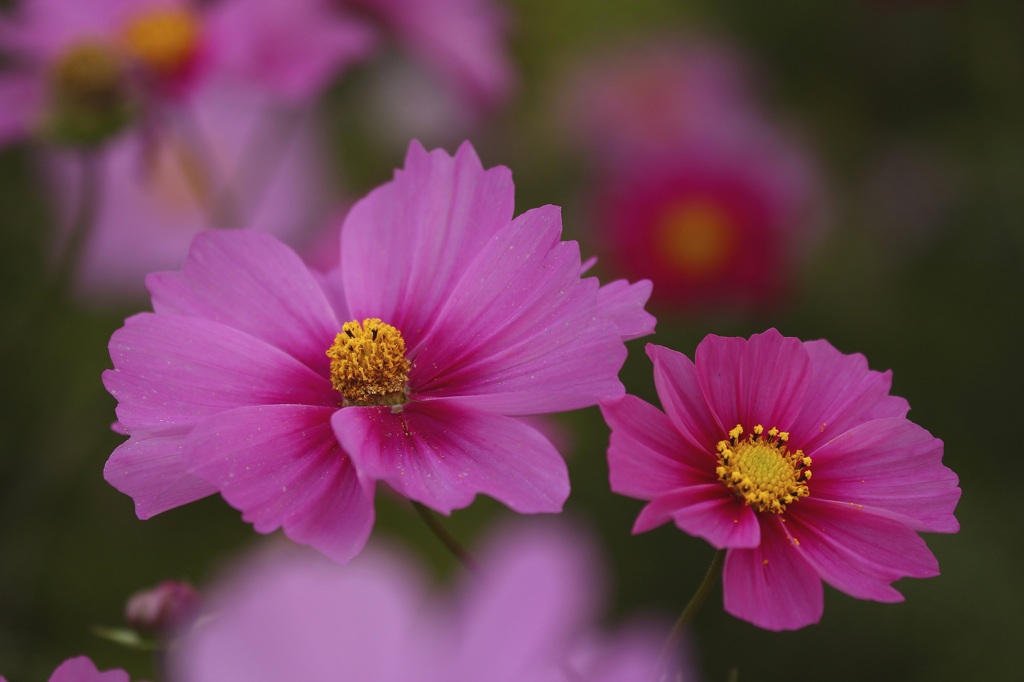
{"type": "Point", "coordinates": [688, 614]}
{"type": "Point", "coordinates": [446, 538]}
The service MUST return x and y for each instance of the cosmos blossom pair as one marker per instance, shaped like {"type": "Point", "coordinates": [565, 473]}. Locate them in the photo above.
{"type": "Point", "coordinates": [293, 392]}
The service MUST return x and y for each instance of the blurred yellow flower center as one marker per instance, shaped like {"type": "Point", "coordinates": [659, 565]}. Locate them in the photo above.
{"type": "Point", "coordinates": [368, 363]}
{"type": "Point", "coordinates": [696, 237]}
{"type": "Point", "coordinates": [760, 469]}
{"type": "Point", "coordinates": [88, 72]}
{"type": "Point", "coordinates": [163, 39]}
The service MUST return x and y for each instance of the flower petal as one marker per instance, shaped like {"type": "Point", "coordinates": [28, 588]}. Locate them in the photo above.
{"type": "Point", "coordinates": [678, 385]}
{"type": "Point", "coordinates": [21, 99]}
{"type": "Point", "coordinates": [772, 585]}
{"type": "Point", "coordinates": [81, 669]}
{"type": "Point", "coordinates": [443, 454]}
{"type": "Point", "coordinates": [170, 372]}
{"type": "Point", "coordinates": [405, 246]}
{"type": "Point", "coordinates": [252, 282]}
{"type": "Point", "coordinates": [646, 456]}
{"type": "Point", "coordinates": [623, 303]}
{"type": "Point", "coordinates": [760, 381]}
{"type": "Point", "coordinates": [857, 551]}
{"type": "Point", "coordinates": [532, 597]}
{"type": "Point", "coordinates": [707, 511]}
{"type": "Point", "coordinates": [893, 465]}
{"type": "Point", "coordinates": [283, 468]}
{"type": "Point", "coordinates": [521, 333]}
{"type": "Point", "coordinates": [842, 393]}
{"type": "Point", "coordinates": [151, 472]}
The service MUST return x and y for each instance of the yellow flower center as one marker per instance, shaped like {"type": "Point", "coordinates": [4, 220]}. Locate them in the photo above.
{"type": "Point", "coordinates": [163, 39]}
{"type": "Point", "coordinates": [88, 73]}
{"type": "Point", "coordinates": [368, 363]}
{"type": "Point", "coordinates": [760, 469]}
{"type": "Point", "coordinates": [696, 237]}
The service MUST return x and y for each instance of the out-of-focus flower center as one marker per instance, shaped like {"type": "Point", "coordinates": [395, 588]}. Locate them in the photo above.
{"type": "Point", "coordinates": [368, 363]}
{"type": "Point", "coordinates": [697, 237]}
{"type": "Point", "coordinates": [88, 73]}
{"type": "Point", "coordinates": [761, 470]}
{"type": "Point", "coordinates": [163, 39]}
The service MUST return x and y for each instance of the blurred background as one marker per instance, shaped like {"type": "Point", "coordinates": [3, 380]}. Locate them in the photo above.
{"type": "Point", "coordinates": [852, 171]}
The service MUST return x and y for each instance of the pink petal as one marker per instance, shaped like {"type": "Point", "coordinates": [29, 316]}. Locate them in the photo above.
{"type": "Point", "coordinates": [841, 393]}
{"type": "Point", "coordinates": [81, 669]}
{"type": "Point", "coordinates": [892, 465]}
{"type": "Point", "coordinates": [151, 472]}
{"type": "Point", "coordinates": [532, 598]}
{"type": "Point", "coordinates": [295, 48]}
{"type": "Point", "coordinates": [461, 39]}
{"type": "Point", "coordinates": [707, 511]}
{"type": "Point", "coordinates": [623, 303]}
{"type": "Point", "coordinates": [856, 551]}
{"type": "Point", "coordinates": [442, 454]}
{"type": "Point", "coordinates": [170, 372]}
{"type": "Point", "coordinates": [405, 246]}
{"type": "Point", "coordinates": [680, 393]}
{"type": "Point", "coordinates": [760, 381]}
{"type": "Point", "coordinates": [772, 586]}
{"type": "Point", "coordinates": [282, 467]}
{"type": "Point", "coordinates": [252, 282]}
{"type": "Point", "coordinates": [520, 332]}
{"type": "Point", "coordinates": [775, 372]}
{"type": "Point", "coordinates": [647, 457]}
{"type": "Point", "coordinates": [295, 617]}
{"type": "Point", "coordinates": [21, 100]}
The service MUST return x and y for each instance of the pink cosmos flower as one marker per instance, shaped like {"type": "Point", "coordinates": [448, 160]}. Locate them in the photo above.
{"type": "Point", "coordinates": [293, 48]}
{"type": "Point", "coordinates": [692, 182]}
{"type": "Point", "coordinates": [234, 161]}
{"type": "Point", "coordinates": [731, 461]}
{"type": "Point", "coordinates": [524, 616]}
{"type": "Point", "coordinates": [290, 393]}
{"type": "Point", "coordinates": [81, 669]}
{"type": "Point", "coordinates": [711, 225]}
{"type": "Point", "coordinates": [80, 68]}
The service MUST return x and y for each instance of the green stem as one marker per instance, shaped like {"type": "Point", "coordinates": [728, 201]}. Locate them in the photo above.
{"type": "Point", "coordinates": [84, 221]}
{"type": "Point", "coordinates": [688, 614]}
{"type": "Point", "coordinates": [446, 538]}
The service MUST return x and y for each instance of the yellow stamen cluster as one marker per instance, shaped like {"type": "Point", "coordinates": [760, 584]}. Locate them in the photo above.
{"type": "Point", "coordinates": [164, 39]}
{"type": "Point", "coordinates": [760, 469]}
{"type": "Point", "coordinates": [368, 363]}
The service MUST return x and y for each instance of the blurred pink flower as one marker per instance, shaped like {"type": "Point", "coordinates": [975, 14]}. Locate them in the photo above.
{"type": "Point", "coordinates": [691, 184]}
{"type": "Point", "coordinates": [291, 393]}
{"type": "Point", "coordinates": [462, 40]}
{"type": "Point", "coordinates": [526, 615]}
{"type": "Point", "coordinates": [233, 161]}
{"type": "Point", "coordinates": [80, 68]}
{"type": "Point", "coordinates": [81, 669]}
{"type": "Point", "coordinates": [293, 48]}
{"type": "Point", "coordinates": [730, 460]}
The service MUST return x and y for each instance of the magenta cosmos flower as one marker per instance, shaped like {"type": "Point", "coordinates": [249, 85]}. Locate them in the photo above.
{"type": "Point", "coordinates": [525, 615]}
{"type": "Point", "coordinates": [81, 669]}
{"type": "Point", "coordinates": [693, 184]}
{"type": "Point", "coordinates": [731, 460]}
{"type": "Point", "coordinates": [290, 393]}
